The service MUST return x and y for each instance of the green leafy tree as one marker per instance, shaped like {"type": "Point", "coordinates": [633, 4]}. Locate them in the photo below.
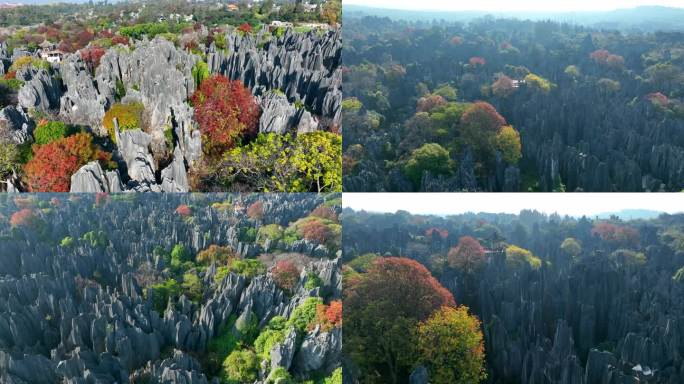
{"type": "Point", "coordinates": [432, 158]}
{"type": "Point", "coordinates": [241, 366]}
{"type": "Point", "coordinates": [507, 141]}
{"type": "Point", "coordinates": [450, 345]}
{"type": "Point", "coordinates": [192, 287]}
{"type": "Point", "coordinates": [161, 293]}
{"type": "Point", "coordinates": [571, 246]}
{"type": "Point", "coordinates": [50, 131]}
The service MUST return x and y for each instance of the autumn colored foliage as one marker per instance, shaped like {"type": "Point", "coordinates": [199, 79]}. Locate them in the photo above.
{"type": "Point", "coordinates": [442, 233]}
{"type": "Point", "coordinates": [120, 40]}
{"type": "Point", "coordinates": [477, 61]}
{"type": "Point", "coordinates": [324, 212]}
{"type": "Point", "coordinates": [316, 231]}
{"type": "Point", "coordinates": [285, 274]}
{"type": "Point", "coordinates": [603, 57]}
{"type": "Point", "coordinates": [23, 217]}
{"type": "Point", "coordinates": [329, 316]}
{"type": "Point", "coordinates": [128, 116]}
{"type": "Point", "coordinates": [226, 112]}
{"type": "Point", "coordinates": [52, 164]}
{"type": "Point", "coordinates": [451, 346]}
{"type": "Point", "coordinates": [245, 28]}
{"type": "Point", "coordinates": [468, 255]}
{"type": "Point", "coordinates": [503, 86]}
{"type": "Point", "coordinates": [184, 210]}
{"type": "Point", "coordinates": [383, 307]}
{"type": "Point", "coordinates": [216, 254]}
{"type": "Point", "coordinates": [481, 117]}
{"type": "Point", "coordinates": [430, 102]}
{"type": "Point", "coordinates": [256, 210]}
{"type": "Point", "coordinates": [616, 234]}
{"type": "Point", "coordinates": [91, 56]}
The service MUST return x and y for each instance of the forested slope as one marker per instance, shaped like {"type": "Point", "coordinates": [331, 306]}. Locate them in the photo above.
{"type": "Point", "coordinates": [560, 300]}
{"type": "Point", "coordinates": [595, 110]}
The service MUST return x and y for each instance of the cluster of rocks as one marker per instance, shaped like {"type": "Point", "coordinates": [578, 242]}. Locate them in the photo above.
{"type": "Point", "coordinates": [296, 79]}
{"type": "Point", "coordinates": [78, 314]}
{"type": "Point", "coordinates": [300, 67]}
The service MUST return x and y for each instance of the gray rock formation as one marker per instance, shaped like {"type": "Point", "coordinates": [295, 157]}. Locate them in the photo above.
{"type": "Point", "coordinates": [134, 147]}
{"type": "Point", "coordinates": [174, 177]}
{"type": "Point", "coordinates": [319, 350]}
{"type": "Point", "coordinates": [91, 178]}
{"type": "Point", "coordinates": [42, 92]}
{"type": "Point", "coordinates": [282, 353]}
{"type": "Point", "coordinates": [18, 123]}
{"type": "Point", "coordinates": [85, 99]}
{"type": "Point", "coordinates": [303, 66]}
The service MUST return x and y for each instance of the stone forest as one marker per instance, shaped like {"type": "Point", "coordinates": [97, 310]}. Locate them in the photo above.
{"type": "Point", "coordinates": [177, 288]}
{"type": "Point", "coordinates": [501, 298]}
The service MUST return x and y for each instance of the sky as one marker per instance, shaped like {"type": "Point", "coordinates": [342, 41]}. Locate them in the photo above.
{"type": "Point", "coordinates": [572, 204]}
{"type": "Point", "coordinates": [517, 5]}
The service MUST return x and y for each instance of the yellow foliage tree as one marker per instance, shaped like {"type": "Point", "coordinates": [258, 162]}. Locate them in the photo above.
{"type": "Point", "coordinates": [507, 141]}
{"type": "Point", "coordinates": [129, 116]}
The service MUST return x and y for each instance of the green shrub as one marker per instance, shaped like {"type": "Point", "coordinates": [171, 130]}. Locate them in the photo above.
{"type": "Point", "coordinates": [179, 255]}
{"type": "Point", "coordinates": [49, 132]}
{"type": "Point", "coordinates": [280, 375]}
{"type": "Point", "coordinates": [129, 116]}
{"type": "Point", "coordinates": [95, 239]}
{"type": "Point", "coordinates": [273, 333]}
{"type": "Point", "coordinates": [192, 287]}
{"type": "Point", "coordinates": [312, 281]}
{"type": "Point", "coordinates": [247, 267]}
{"type": "Point", "coordinates": [241, 366]}
{"type": "Point", "coordinates": [67, 242]}
{"type": "Point", "coordinates": [432, 158]}
{"type": "Point", "coordinates": [305, 315]}
{"type": "Point", "coordinates": [161, 293]}
{"type": "Point", "coordinates": [200, 71]}
{"type": "Point", "coordinates": [247, 235]}
{"type": "Point", "coordinates": [271, 232]}
{"type": "Point", "coordinates": [334, 378]}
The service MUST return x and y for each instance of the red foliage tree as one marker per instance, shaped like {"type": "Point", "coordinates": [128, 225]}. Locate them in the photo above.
{"type": "Point", "coordinates": [285, 274]}
{"type": "Point", "coordinates": [430, 102]}
{"type": "Point", "coordinates": [245, 28]}
{"type": "Point", "coordinates": [119, 40]}
{"type": "Point", "coordinates": [91, 56]}
{"type": "Point", "coordinates": [52, 164]}
{"type": "Point", "coordinates": [477, 61]}
{"type": "Point", "coordinates": [600, 56]}
{"type": "Point", "coordinates": [658, 99]}
{"type": "Point", "coordinates": [479, 121]}
{"type": "Point", "coordinates": [325, 213]}
{"type": "Point", "coordinates": [226, 111]}
{"type": "Point", "coordinates": [10, 75]}
{"type": "Point", "coordinates": [615, 61]}
{"type": "Point", "coordinates": [457, 40]}
{"type": "Point", "coordinates": [24, 217]}
{"type": "Point", "coordinates": [83, 38]}
{"type": "Point", "coordinates": [184, 210]}
{"type": "Point", "coordinates": [503, 86]}
{"type": "Point", "coordinates": [383, 305]}
{"type": "Point", "coordinates": [315, 230]}
{"type": "Point", "coordinates": [616, 234]}
{"type": "Point", "coordinates": [329, 316]}
{"type": "Point", "coordinates": [442, 233]}
{"type": "Point", "coordinates": [468, 255]}
{"type": "Point", "coordinates": [256, 210]}
{"type": "Point", "coordinates": [101, 198]}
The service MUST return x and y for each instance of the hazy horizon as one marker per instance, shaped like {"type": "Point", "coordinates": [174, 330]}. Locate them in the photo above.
{"type": "Point", "coordinates": [517, 6]}
{"type": "Point", "coordinates": [577, 205]}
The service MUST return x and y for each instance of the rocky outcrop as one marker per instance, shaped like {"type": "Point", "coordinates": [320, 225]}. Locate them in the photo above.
{"type": "Point", "coordinates": [134, 147]}
{"type": "Point", "coordinates": [73, 314]}
{"type": "Point", "coordinates": [18, 123]}
{"type": "Point", "coordinates": [282, 353]}
{"type": "Point", "coordinates": [304, 66]}
{"type": "Point", "coordinates": [85, 99]}
{"type": "Point", "coordinates": [41, 92]}
{"type": "Point", "coordinates": [91, 179]}
{"type": "Point", "coordinates": [319, 350]}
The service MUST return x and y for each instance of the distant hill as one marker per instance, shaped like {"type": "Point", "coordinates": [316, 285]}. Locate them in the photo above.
{"type": "Point", "coordinates": [631, 214]}
{"type": "Point", "coordinates": [647, 18]}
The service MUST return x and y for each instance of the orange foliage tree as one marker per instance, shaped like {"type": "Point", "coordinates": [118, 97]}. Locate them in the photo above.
{"type": "Point", "coordinates": [329, 316]}
{"type": "Point", "coordinates": [52, 164]}
{"type": "Point", "coordinates": [381, 309]}
{"type": "Point", "coordinates": [285, 274]}
{"type": "Point", "coordinates": [184, 210]}
{"type": "Point", "coordinates": [256, 210]}
{"type": "Point", "coordinates": [315, 230]}
{"type": "Point", "coordinates": [226, 112]}
{"type": "Point", "coordinates": [468, 255]}
{"type": "Point", "coordinates": [22, 218]}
